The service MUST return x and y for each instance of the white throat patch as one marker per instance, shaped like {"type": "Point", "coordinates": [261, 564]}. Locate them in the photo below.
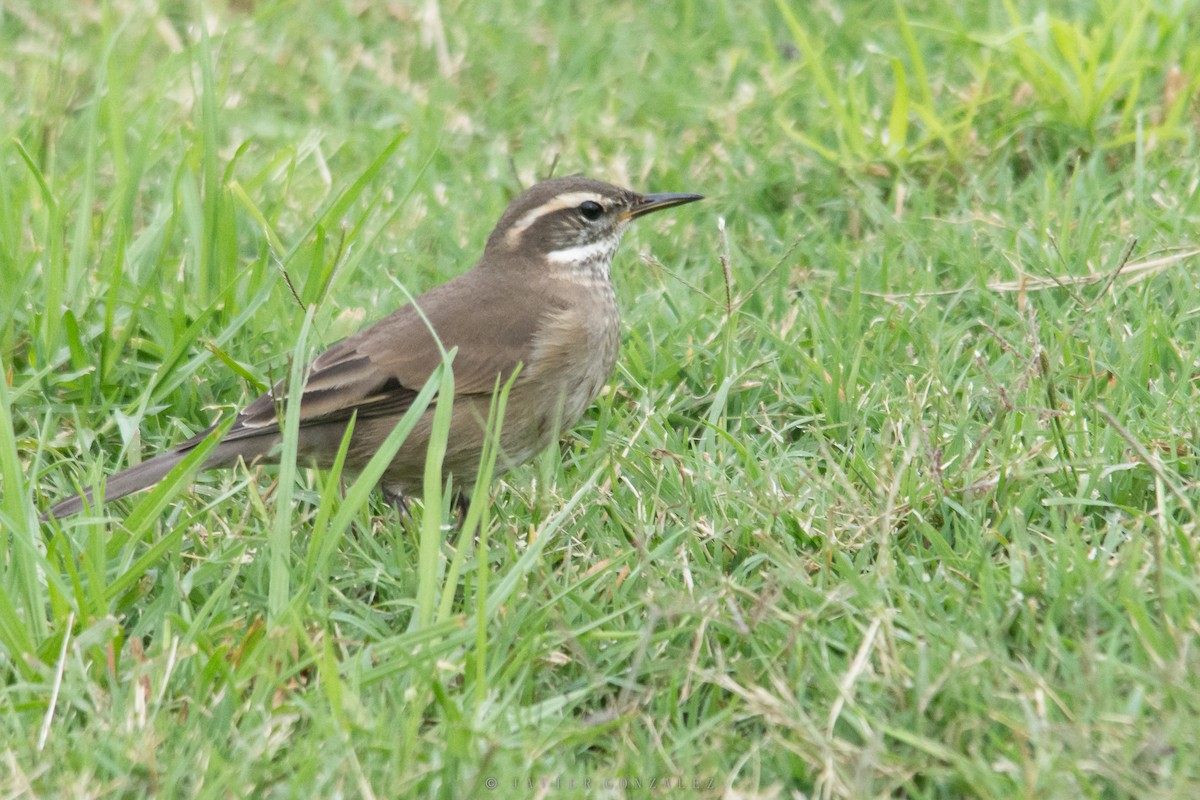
{"type": "Point", "coordinates": [585, 253]}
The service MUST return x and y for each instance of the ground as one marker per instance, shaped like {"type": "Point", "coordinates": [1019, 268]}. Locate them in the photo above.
{"type": "Point", "coordinates": [892, 493]}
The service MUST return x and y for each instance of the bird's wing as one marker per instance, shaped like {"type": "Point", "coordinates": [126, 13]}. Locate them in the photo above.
{"type": "Point", "coordinates": [378, 371]}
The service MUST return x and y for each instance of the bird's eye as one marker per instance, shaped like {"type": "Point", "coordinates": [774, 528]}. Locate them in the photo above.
{"type": "Point", "coordinates": [591, 210]}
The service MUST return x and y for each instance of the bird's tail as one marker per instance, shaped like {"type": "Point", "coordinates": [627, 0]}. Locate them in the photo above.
{"type": "Point", "coordinates": [148, 473]}
{"type": "Point", "coordinates": [123, 483]}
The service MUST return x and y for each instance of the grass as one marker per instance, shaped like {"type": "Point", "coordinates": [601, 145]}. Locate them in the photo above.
{"type": "Point", "coordinates": [892, 492]}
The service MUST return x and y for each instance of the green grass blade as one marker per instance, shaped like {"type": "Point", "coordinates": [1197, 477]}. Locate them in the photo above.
{"type": "Point", "coordinates": [280, 543]}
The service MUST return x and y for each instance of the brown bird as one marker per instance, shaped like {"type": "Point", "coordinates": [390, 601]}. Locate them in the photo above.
{"type": "Point", "coordinates": [540, 298]}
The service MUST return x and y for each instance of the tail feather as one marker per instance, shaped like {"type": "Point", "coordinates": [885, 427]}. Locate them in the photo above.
{"type": "Point", "coordinates": [126, 482]}
{"type": "Point", "coordinates": [148, 473]}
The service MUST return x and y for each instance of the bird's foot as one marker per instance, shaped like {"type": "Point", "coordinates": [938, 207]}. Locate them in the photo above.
{"type": "Point", "coordinates": [396, 499]}
{"type": "Point", "coordinates": [399, 501]}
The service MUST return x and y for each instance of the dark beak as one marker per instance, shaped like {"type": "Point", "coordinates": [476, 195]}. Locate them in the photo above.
{"type": "Point", "coordinates": [654, 202]}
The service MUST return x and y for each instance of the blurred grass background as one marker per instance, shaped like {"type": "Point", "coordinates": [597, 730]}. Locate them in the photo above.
{"type": "Point", "coordinates": [892, 493]}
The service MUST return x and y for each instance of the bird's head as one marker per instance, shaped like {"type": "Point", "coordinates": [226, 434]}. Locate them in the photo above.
{"type": "Point", "coordinates": [572, 223]}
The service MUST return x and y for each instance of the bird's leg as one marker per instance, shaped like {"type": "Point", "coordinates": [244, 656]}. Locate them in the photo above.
{"type": "Point", "coordinates": [462, 502]}
{"type": "Point", "coordinates": [396, 499]}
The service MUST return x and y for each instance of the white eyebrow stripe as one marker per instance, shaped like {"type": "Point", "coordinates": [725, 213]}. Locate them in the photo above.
{"type": "Point", "coordinates": [562, 201]}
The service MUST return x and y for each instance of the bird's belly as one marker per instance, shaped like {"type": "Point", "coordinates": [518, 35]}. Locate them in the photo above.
{"type": "Point", "coordinates": [574, 357]}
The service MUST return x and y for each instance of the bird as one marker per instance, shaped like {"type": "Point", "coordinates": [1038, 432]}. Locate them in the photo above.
{"type": "Point", "coordinates": [538, 304]}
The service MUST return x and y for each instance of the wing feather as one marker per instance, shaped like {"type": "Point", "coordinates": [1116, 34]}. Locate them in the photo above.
{"type": "Point", "coordinates": [379, 370]}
